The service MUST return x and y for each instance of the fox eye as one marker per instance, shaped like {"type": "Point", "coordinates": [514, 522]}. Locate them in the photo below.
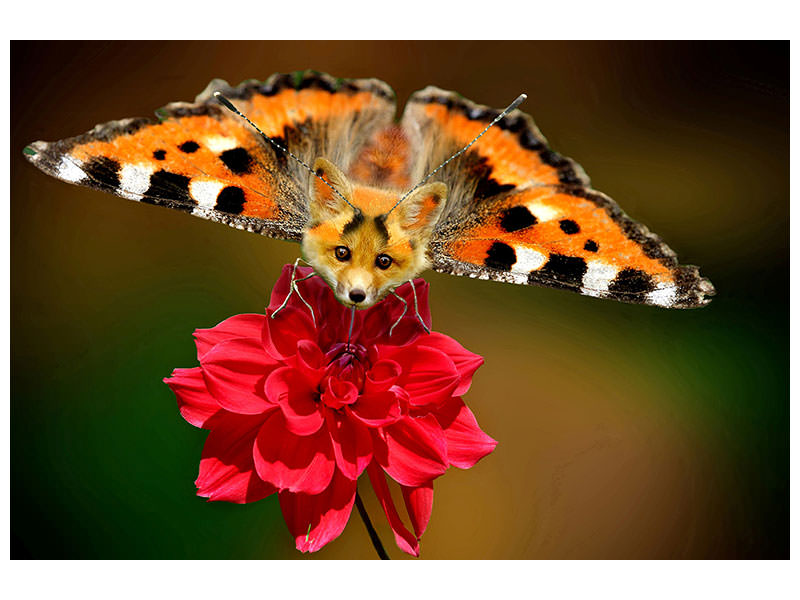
{"type": "Point", "coordinates": [342, 253]}
{"type": "Point", "coordinates": [383, 261]}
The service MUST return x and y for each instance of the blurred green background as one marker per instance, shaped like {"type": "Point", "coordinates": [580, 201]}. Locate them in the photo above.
{"type": "Point", "coordinates": [624, 431]}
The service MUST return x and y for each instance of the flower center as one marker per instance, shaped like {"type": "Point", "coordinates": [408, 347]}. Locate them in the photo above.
{"type": "Point", "coordinates": [347, 362]}
{"type": "Point", "coordinates": [345, 375]}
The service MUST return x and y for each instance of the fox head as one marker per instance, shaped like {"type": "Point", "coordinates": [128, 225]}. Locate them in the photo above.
{"type": "Point", "coordinates": [358, 243]}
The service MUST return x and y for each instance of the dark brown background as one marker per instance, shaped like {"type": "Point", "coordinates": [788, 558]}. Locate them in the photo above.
{"type": "Point", "coordinates": [625, 431]}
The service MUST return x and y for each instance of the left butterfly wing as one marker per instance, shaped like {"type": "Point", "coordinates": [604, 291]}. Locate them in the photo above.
{"type": "Point", "coordinates": [201, 159]}
{"type": "Point", "coordinates": [520, 213]}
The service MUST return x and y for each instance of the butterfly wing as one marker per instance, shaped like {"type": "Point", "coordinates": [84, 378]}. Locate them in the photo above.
{"type": "Point", "coordinates": [200, 158]}
{"type": "Point", "coordinates": [520, 213]}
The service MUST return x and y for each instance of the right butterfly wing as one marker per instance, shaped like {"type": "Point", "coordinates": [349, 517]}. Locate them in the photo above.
{"type": "Point", "coordinates": [202, 159]}
{"type": "Point", "coordinates": [517, 212]}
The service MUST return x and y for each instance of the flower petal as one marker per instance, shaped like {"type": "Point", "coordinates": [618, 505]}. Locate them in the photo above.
{"type": "Point", "coordinates": [281, 334]}
{"type": "Point", "coordinates": [291, 462]}
{"type": "Point", "coordinates": [309, 360]}
{"type": "Point", "coordinates": [227, 471]}
{"type": "Point", "coordinates": [235, 371]}
{"type": "Point", "coordinates": [311, 289]}
{"type": "Point", "coordinates": [336, 318]}
{"type": "Point", "coordinates": [419, 504]}
{"type": "Point", "coordinates": [237, 326]}
{"type": "Point", "coordinates": [383, 375]}
{"type": "Point", "coordinates": [316, 520]}
{"type": "Point", "coordinates": [414, 451]}
{"type": "Point", "coordinates": [291, 391]}
{"type": "Point", "coordinates": [466, 442]}
{"type": "Point", "coordinates": [338, 393]}
{"type": "Point", "coordinates": [429, 375]}
{"type": "Point", "coordinates": [405, 540]}
{"type": "Point", "coordinates": [378, 408]}
{"type": "Point", "coordinates": [196, 405]}
{"type": "Point", "coordinates": [379, 320]}
{"type": "Point", "coordinates": [352, 443]}
{"type": "Point", "coordinates": [465, 361]}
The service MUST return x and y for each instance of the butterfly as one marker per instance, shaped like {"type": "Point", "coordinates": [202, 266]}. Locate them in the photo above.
{"type": "Point", "coordinates": [322, 161]}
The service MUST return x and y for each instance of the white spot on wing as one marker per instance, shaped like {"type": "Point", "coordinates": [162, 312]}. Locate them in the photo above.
{"type": "Point", "coordinates": [663, 296]}
{"type": "Point", "coordinates": [528, 260]}
{"type": "Point", "coordinates": [134, 180]}
{"type": "Point", "coordinates": [219, 143]}
{"type": "Point", "coordinates": [205, 192]}
{"type": "Point", "coordinates": [542, 212]}
{"type": "Point", "coordinates": [70, 170]}
{"type": "Point", "coordinates": [518, 278]}
{"type": "Point", "coordinates": [597, 277]}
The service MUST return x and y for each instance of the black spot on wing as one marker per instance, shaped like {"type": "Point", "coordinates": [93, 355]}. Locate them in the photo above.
{"type": "Point", "coordinates": [529, 140]}
{"type": "Point", "coordinates": [103, 170]}
{"type": "Point", "coordinates": [516, 218]}
{"type": "Point", "coordinates": [478, 113]}
{"type": "Point", "coordinates": [631, 281]}
{"type": "Point", "coordinates": [292, 136]}
{"type": "Point", "coordinates": [277, 84]}
{"type": "Point", "coordinates": [230, 200]}
{"type": "Point", "coordinates": [652, 246]}
{"type": "Point", "coordinates": [500, 256]}
{"type": "Point", "coordinates": [313, 81]}
{"type": "Point", "coordinates": [189, 147]}
{"type": "Point", "coordinates": [591, 246]}
{"type": "Point", "coordinates": [569, 226]}
{"type": "Point", "coordinates": [550, 158]}
{"type": "Point", "coordinates": [238, 160]}
{"type": "Point", "coordinates": [168, 186]}
{"type": "Point", "coordinates": [566, 170]}
{"type": "Point", "coordinates": [181, 109]}
{"type": "Point", "coordinates": [486, 186]}
{"type": "Point", "coordinates": [512, 123]}
{"type": "Point", "coordinates": [280, 156]}
{"type": "Point", "coordinates": [560, 269]}
{"type": "Point", "coordinates": [160, 154]}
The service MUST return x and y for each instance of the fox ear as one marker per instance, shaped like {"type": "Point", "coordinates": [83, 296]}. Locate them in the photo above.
{"type": "Point", "coordinates": [325, 203]}
{"type": "Point", "coordinates": [419, 212]}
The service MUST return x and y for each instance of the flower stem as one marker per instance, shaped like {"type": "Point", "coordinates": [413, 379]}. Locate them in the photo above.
{"type": "Point", "coordinates": [373, 535]}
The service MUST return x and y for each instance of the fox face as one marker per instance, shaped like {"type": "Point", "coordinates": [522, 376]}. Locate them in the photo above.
{"type": "Point", "coordinates": [358, 243]}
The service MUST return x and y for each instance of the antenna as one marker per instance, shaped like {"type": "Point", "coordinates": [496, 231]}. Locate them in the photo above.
{"type": "Point", "coordinates": [520, 99]}
{"type": "Point", "coordinates": [227, 104]}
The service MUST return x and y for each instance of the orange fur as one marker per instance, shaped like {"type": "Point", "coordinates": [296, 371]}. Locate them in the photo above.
{"type": "Point", "coordinates": [361, 220]}
{"type": "Point", "coordinates": [374, 201]}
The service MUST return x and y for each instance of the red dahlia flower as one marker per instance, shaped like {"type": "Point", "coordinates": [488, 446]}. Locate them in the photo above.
{"type": "Point", "coordinates": [292, 407]}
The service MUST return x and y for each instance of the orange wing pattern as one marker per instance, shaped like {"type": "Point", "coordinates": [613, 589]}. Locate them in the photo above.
{"type": "Point", "coordinates": [520, 213]}
{"type": "Point", "coordinates": [201, 159]}
{"type": "Point", "coordinates": [516, 211]}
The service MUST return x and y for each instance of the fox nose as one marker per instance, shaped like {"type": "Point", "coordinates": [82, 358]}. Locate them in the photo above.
{"type": "Point", "coordinates": [357, 296]}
